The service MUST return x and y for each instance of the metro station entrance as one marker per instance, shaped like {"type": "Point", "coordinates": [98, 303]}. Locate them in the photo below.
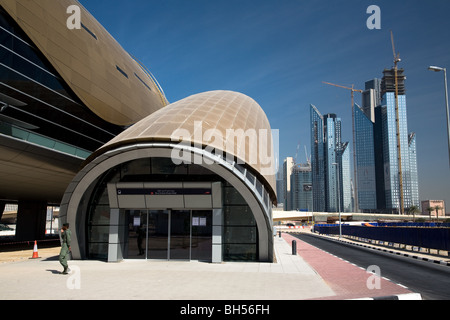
{"type": "Point", "coordinates": [168, 234]}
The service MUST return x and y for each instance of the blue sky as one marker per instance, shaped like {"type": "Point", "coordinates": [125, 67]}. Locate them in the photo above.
{"type": "Point", "coordinates": [279, 52]}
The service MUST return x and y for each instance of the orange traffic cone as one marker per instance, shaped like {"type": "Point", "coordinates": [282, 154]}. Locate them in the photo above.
{"type": "Point", "coordinates": [35, 251]}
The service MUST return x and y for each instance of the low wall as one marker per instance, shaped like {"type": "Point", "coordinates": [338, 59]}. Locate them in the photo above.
{"type": "Point", "coordinates": [432, 238]}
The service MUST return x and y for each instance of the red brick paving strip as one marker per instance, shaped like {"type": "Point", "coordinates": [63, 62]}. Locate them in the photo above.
{"type": "Point", "coordinates": [345, 279]}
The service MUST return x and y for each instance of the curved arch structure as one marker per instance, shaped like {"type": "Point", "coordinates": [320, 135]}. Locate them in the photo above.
{"type": "Point", "coordinates": [63, 94]}
{"type": "Point", "coordinates": [100, 72]}
{"type": "Point", "coordinates": [174, 135]}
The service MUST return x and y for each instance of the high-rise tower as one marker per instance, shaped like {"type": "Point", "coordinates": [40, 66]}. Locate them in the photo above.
{"type": "Point", "coordinates": [385, 147]}
{"type": "Point", "coordinates": [330, 163]}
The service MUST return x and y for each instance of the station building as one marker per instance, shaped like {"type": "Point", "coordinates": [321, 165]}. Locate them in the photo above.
{"type": "Point", "coordinates": [86, 126]}
{"type": "Point", "coordinates": [170, 187]}
{"type": "Point", "coordinates": [63, 94]}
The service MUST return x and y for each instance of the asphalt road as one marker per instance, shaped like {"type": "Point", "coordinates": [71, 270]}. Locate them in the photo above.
{"type": "Point", "coordinates": [431, 280]}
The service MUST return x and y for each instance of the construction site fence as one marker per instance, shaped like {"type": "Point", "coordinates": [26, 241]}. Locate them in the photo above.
{"type": "Point", "coordinates": [431, 238]}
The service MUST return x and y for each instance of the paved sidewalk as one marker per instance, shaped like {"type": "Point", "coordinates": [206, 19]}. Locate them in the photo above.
{"type": "Point", "coordinates": [347, 280]}
{"type": "Point", "coordinates": [312, 274]}
{"type": "Point", "coordinates": [288, 279]}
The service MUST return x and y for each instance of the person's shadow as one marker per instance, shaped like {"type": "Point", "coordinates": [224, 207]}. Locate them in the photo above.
{"type": "Point", "coordinates": [54, 258]}
{"type": "Point", "coordinates": [53, 271]}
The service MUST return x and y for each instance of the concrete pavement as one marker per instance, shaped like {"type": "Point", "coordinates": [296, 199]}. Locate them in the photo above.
{"type": "Point", "coordinates": [292, 277]}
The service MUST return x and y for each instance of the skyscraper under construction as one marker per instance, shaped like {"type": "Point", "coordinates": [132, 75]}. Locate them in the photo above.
{"type": "Point", "coordinates": [385, 162]}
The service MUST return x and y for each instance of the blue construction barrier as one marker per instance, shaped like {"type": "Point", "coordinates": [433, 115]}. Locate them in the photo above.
{"type": "Point", "coordinates": [432, 238]}
{"type": "Point", "coordinates": [396, 224]}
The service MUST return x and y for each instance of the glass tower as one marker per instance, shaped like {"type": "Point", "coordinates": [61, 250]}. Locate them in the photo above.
{"type": "Point", "coordinates": [301, 184]}
{"type": "Point", "coordinates": [332, 144]}
{"type": "Point", "coordinates": [330, 164]}
{"type": "Point", "coordinates": [386, 142]}
{"type": "Point", "coordinates": [317, 160]}
{"type": "Point", "coordinates": [365, 160]}
{"type": "Point", "coordinates": [345, 179]}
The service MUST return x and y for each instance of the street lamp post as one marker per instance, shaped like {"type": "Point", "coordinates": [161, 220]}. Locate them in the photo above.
{"type": "Point", "coordinates": [437, 69]}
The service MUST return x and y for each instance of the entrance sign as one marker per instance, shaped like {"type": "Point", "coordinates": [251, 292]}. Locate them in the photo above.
{"type": "Point", "coordinates": [163, 191]}
{"type": "Point", "coordinates": [173, 195]}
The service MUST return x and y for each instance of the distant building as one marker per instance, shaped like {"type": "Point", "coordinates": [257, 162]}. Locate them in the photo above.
{"type": "Point", "coordinates": [288, 164]}
{"type": "Point", "coordinates": [317, 159]}
{"type": "Point", "coordinates": [390, 164]}
{"type": "Point", "coordinates": [371, 98]}
{"type": "Point", "coordinates": [280, 191]}
{"type": "Point", "coordinates": [365, 161]}
{"type": "Point", "coordinates": [429, 207]}
{"type": "Point", "coordinates": [301, 187]}
{"type": "Point", "coordinates": [330, 164]}
{"type": "Point", "coordinates": [376, 147]}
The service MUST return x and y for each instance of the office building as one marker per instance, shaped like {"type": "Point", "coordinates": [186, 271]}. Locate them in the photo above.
{"type": "Point", "coordinates": [301, 187]}
{"type": "Point", "coordinates": [390, 165]}
{"type": "Point", "coordinates": [280, 190]}
{"type": "Point", "coordinates": [330, 164]}
{"type": "Point", "coordinates": [317, 159]}
{"type": "Point", "coordinates": [288, 165]}
{"type": "Point", "coordinates": [371, 98]}
{"type": "Point", "coordinates": [365, 160]}
{"type": "Point", "coordinates": [376, 147]}
{"type": "Point", "coordinates": [345, 179]}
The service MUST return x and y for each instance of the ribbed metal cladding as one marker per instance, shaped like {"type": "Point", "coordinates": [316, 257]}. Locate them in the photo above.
{"type": "Point", "coordinates": [218, 111]}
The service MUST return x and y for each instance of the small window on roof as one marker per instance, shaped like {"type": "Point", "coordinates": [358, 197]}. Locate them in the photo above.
{"type": "Point", "coordinates": [142, 82]}
{"type": "Point", "coordinates": [89, 31]}
{"type": "Point", "coordinates": [122, 72]}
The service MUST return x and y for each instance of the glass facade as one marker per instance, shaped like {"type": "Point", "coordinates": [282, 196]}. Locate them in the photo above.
{"type": "Point", "coordinates": [174, 229]}
{"type": "Point", "coordinates": [390, 155]}
{"type": "Point", "coordinates": [37, 105]}
{"type": "Point", "coordinates": [301, 183]}
{"type": "Point", "coordinates": [330, 164]}
{"type": "Point", "coordinates": [385, 152]}
{"type": "Point", "coordinates": [317, 160]}
{"type": "Point", "coordinates": [345, 181]}
{"type": "Point", "coordinates": [332, 130]}
{"type": "Point", "coordinates": [414, 172]}
{"type": "Point", "coordinates": [365, 161]}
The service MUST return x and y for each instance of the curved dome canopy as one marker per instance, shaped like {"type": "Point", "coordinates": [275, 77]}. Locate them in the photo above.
{"type": "Point", "coordinates": [228, 122]}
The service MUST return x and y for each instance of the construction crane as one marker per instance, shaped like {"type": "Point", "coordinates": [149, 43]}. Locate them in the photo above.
{"type": "Point", "coordinates": [308, 159]}
{"type": "Point", "coordinates": [397, 122]}
{"type": "Point", "coordinates": [296, 153]}
{"type": "Point", "coordinates": [353, 90]}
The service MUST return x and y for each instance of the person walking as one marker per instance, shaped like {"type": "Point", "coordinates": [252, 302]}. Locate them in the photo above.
{"type": "Point", "coordinates": [66, 237]}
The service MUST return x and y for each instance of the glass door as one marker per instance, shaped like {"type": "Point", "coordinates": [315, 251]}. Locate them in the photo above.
{"type": "Point", "coordinates": [180, 235]}
{"type": "Point", "coordinates": [169, 234]}
{"type": "Point", "coordinates": [158, 234]}
{"type": "Point", "coordinates": [137, 234]}
{"type": "Point", "coordinates": [201, 240]}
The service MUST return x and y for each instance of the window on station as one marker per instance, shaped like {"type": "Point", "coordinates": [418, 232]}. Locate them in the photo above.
{"type": "Point", "coordinates": [121, 71]}
{"type": "Point", "coordinates": [89, 31]}
{"type": "Point", "coordinates": [142, 81]}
